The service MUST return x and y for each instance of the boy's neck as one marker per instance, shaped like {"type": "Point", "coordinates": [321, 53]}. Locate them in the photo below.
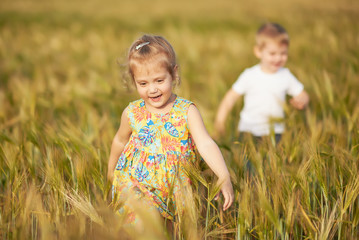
{"type": "Point", "coordinates": [268, 71]}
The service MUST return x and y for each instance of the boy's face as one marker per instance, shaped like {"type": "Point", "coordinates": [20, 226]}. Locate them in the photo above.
{"type": "Point", "coordinates": [272, 56]}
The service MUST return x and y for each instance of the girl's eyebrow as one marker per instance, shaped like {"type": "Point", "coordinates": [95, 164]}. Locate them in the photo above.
{"type": "Point", "coordinates": [159, 76]}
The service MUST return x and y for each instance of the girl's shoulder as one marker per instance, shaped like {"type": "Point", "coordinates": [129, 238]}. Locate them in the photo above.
{"type": "Point", "coordinates": [183, 103]}
{"type": "Point", "coordinates": [183, 100]}
{"type": "Point", "coordinates": [136, 104]}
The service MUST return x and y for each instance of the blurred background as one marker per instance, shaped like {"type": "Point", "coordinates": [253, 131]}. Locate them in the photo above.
{"type": "Point", "coordinates": [62, 94]}
{"type": "Point", "coordinates": [73, 49]}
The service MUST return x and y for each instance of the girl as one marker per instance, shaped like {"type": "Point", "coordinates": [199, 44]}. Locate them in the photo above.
{"type": "Point", "coordinates": [159, 134]}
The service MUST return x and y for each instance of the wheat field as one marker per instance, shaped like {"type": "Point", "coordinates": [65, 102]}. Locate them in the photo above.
{"type": "Point", "coordinates": [62, 94]}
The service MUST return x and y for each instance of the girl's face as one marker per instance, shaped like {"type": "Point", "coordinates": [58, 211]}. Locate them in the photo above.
{"type": "Point", "coordinates": [154, 84]}
{"type": "Point", "coordinates": [273, 56]}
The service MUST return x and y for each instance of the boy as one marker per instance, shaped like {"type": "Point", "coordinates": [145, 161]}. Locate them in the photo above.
{"type": "Point", "coordinates": [264, 87]}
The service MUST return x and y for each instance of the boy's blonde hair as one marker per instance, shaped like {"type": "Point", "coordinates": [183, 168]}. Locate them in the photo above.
{"type": "Point", "coordinates": [273, 32]}
{"type": "Point", "coordinates": [147, 47]}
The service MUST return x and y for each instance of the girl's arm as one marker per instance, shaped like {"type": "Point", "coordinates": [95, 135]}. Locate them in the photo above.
{"type": "Point", "coordinates": [211, 154]}
{"type": "Point", "coordinates": [118, 144]}
{"type": "Point", "coordinates": [224, 108]}
{"type": "Point", "coordinates": [300, 101]}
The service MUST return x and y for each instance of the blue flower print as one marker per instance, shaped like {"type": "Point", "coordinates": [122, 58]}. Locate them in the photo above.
{"type": "Point", "coordinates": [121, 162]}
{"type": "Point", "coordinates": [150, 161]}
{"type": "Point", "coordinates": [171, 129]}
{"type": "Point", "coordinates": [146, 136]}
{"type": "Point", "coordinates": [160, 158]}
{"type": "Point", "coordinates": [141, 172]}
{"type": "Point", "coordinates": [184, 145]}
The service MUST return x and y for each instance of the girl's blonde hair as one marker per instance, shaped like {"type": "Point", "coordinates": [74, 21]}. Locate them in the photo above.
{"type": "Point", "coordinates": [273, 32]}
{"type": "Point", "coordinates": [147, 47]}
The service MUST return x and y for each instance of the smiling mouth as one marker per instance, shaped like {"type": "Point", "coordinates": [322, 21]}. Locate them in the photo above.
{"type": "Point", "coordinates": [155, 99]}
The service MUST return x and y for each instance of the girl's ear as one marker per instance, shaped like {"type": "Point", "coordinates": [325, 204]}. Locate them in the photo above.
{"type": "Point", "coordinates": [175, 71]}
{"type": "Point", "coordinates": [257, 52]}
{"type": "Point", "coordinates": [176, 76]}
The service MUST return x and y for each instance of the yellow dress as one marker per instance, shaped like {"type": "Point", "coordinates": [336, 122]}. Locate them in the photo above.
{"type": "Point", "coordinates": [152, 163]}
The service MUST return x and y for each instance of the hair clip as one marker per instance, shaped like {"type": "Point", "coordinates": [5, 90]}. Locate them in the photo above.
{"type": "Point", "coordinates": [141, 45]}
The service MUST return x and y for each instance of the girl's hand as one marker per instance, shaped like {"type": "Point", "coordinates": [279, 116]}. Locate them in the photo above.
{"type": "Point", "coordinates": [227, 191]}
{"type": "Point", "coordinates": [211, 154]}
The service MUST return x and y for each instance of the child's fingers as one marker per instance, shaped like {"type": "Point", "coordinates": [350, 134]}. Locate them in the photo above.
{"type": "Point", "coordinates": [297, 103]}
{"type": "Point", "coordinates": [300, 101]}
{"type": "Point", "coordinates": [227, 191]}
{"type": "Point", "coordinates": [228, 200]}
{"type": "Point", "coordinates": [216, 197]}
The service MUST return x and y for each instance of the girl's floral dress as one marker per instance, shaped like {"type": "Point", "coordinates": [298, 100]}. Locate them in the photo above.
{"type": "Point", "coordinates": [152, 165]}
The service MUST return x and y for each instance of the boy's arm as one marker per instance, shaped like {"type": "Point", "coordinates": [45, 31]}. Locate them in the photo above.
{"type": "Point", "coordinates": [300, 101]}
{"type": "Point", "coordinates": [118, 144]}
{"type": "Point", "coordinates": [211, 154]}
{"type": "Point", "coordinates": [224, 108]}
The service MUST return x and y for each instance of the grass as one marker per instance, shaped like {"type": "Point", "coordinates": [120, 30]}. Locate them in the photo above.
{"type": "Point", "coordinates": [61, 97]}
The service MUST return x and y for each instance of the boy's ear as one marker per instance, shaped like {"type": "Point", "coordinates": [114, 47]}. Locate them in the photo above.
{"type": "Point", "coordinates": [257, 52]}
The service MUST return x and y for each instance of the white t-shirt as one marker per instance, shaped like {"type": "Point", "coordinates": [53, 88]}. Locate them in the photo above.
{"type": "Point", "coordinates": [264, 96]}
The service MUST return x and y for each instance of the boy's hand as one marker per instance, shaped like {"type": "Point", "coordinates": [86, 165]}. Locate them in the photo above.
{"type": "Point", "coordinates": [300, 101]}
{"type": "Point", "coordinates": [227, 191]}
